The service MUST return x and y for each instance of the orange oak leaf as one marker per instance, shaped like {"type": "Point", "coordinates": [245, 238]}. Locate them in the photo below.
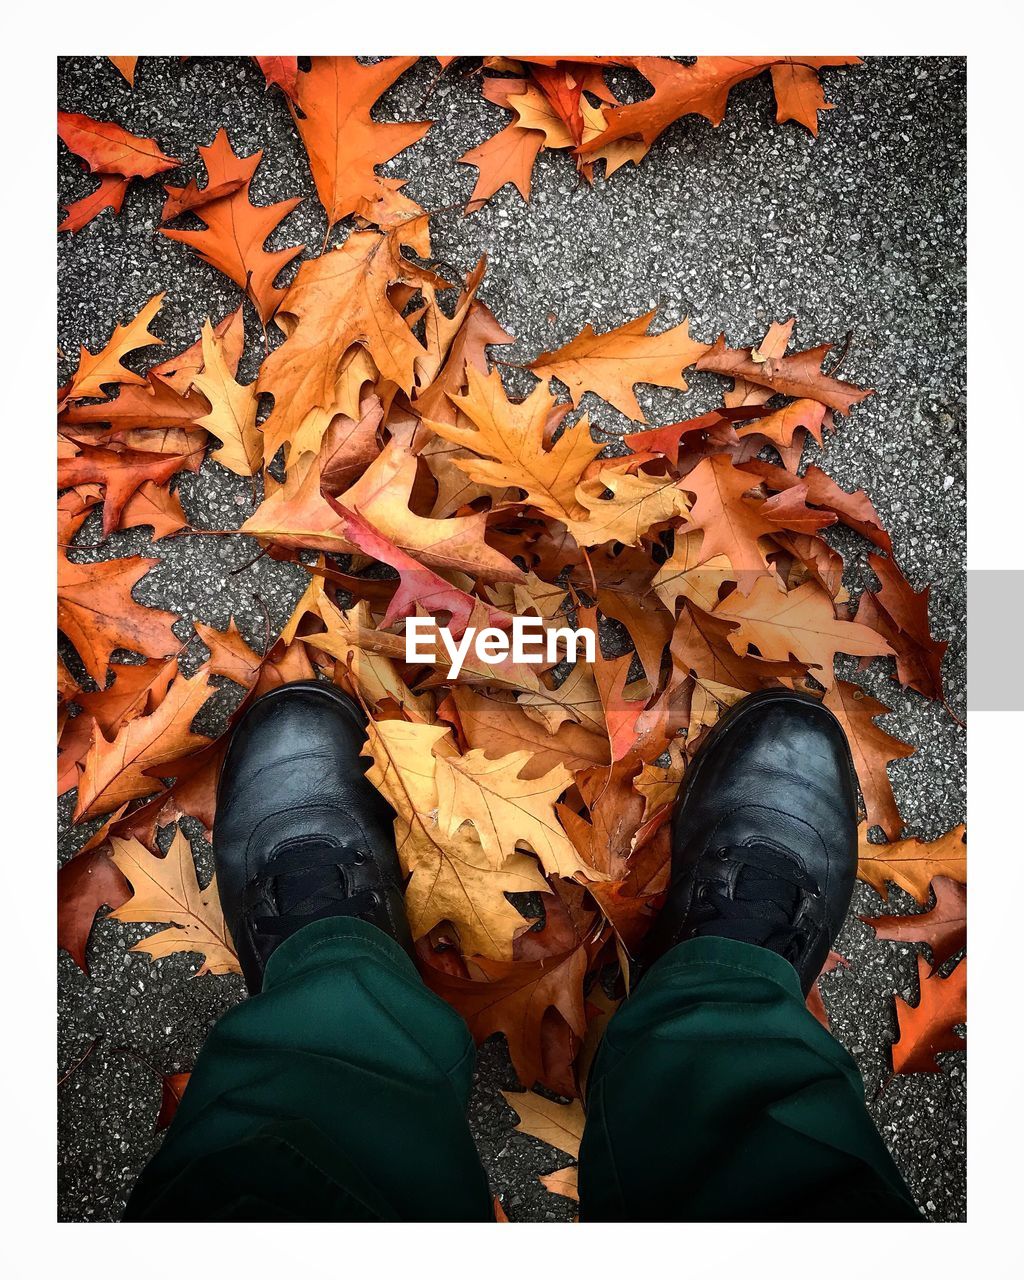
{"type": "Point", "coordinates": [609, 364]}
{"type": "Point", "coordinates": [496, 727]}
{"type": "Point", "coordinates": [513, 997]}
{"type": "Point", "coordinates": [122, 768]}
{"type": "Point", "coordinates": [699, 89]}
{"type": "Point", "coordinates": [230, 655]}
{"type": "Point", "coordinates": [929, 1027]}
{"type": "Point", "coordinates": [191, 197]}
{"type": "Point", "coordinates": [236, 229]}
{"type": "Point", "coordinates": [153, 405]}
{"type": "Point", "coordinates": [154, 506]}
{"type": "Point", "coordinates": [510, 438]}
{"type": "Point", "coordinates": [900, 613]}
{"type": "Point", "coordinates": [853, 509]}
{"type": "Point", "coordinates": [798, 94]}
{"type": "Point", "coordinates": [107, 148]}
{"type": "Point", "coordinates": [282, 71]}
{"type": "Point", "coordinates": [337, 302]}
{"type": "Point", "coordinates": [126, 66]}
{"type": "Point", "coordinates": [96, 612]}
{"type": "Point", "coordinates": [108, 195]}
{"type": "Point", "coordinates": [801, 624]}
{"type": "Point", "coordinates": [563, 1182]}
{"type": "Point", "coordinates": [122, 472]}
{"type": "Point", "coordinates": [913, 864]}
{"type": "Point", "coordinates": [136, 690]}
{"type": "Point", "coordinates": [94, 372]}
{"type": "Point", "coordinates": [381, 496]}
{"type": "Point", "coordinates": [732, 523]}
{"type": "Point", "coordinates": [344, 144]}
{"type": "Point", "coordinates": [179, 371]}
{"type": "Point", "coordinates": [700, 646]}
{"type": "Point", "coordinates": [872, 750]}
{"type": "Point", "coordinates": [796, 375]}
{"type": "Point", "coordinates": [942, 928]}
{"type": "Point", "coordinates": [507, 157]}
{"type": "Point", "coordinates": [558, 1124]}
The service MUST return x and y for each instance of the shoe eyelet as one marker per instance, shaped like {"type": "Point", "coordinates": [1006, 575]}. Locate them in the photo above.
{"type": "Point", "coordinates": [702, 892]}
{"type": "Point", "coordinates": [376, 900]}
{"type": "Point", "coordinates": [359, 858]}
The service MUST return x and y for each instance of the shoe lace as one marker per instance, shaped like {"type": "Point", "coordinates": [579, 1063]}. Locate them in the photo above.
{"type": "Point", "coordinates": [765, 898]}
{"type": "Point", "coordinates": [308, 882]}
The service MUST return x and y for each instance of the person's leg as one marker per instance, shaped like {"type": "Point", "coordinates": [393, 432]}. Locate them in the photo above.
{"type": "Point", "coordinates": [336, 1094]}
{"type": "Point", "coordinates": [338, 1091]}
{"type": "Point", "coordinates": [716, 1096]}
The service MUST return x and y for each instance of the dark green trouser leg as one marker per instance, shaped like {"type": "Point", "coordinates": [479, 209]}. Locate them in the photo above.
{"type": "Point", "coordinates": [337, 1094]}
{"type": "Point", "coordinates": [717, 1096]}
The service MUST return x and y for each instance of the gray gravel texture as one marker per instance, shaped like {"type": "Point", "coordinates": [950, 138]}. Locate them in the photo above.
{"type": "Point", "coordinates": [862, 231]}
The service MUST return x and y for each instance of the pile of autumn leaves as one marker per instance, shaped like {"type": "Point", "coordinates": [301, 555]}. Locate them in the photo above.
{"type": "Point", "coordinates": [397, 445]}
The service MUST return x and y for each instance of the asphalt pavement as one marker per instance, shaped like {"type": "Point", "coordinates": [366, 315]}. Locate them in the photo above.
{"type": "Point", "coordinates": [860, 232]}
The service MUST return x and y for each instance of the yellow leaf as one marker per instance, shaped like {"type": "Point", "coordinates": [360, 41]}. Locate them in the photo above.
{"type": "Point", "coordinates": [506, 809]}
{"type": "Point", "coordinates": [232, 416]}
{"type": "Point", "coordinates": [511, 436]}
{"type": "Point", "coordinates": [635, 505]}
{"type": "Point", "coordinates": [166, 891]}
{"type": "Point", "coordinates": [452, 878]}
{"type": "Point", "coordinates": [563, 1182]}
{"type": "Point", "coordinates": [610, 364]}
{"type": "Point", "coordinates": [912, 864]}
{"type": "Point", "coordinates": [709, 700]}
{"type": "Point", "coordinates": [559, 1124]}
{"type": "Point", "coordinates": [687, 573]}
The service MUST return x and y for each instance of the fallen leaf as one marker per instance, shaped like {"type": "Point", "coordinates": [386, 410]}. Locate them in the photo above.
{"type": "Point", "coordinates": [609, 364]}
{"type": "Point", "coordinates": [344, 144]}
{"type": "Point", "coordinates": [284, 72]}
{"type": "Point", "coordinates": [122, 769]}
{"type": "Point", "coordinates": [171, 1089]}
{"type": "Point", "coordinates": [796, 375]}
{"type": "Point", "coordinates": [913, 864]}
{"type": "Point", "coordinates": [126, 66]}
{"type": "Point", "coordinates": [166, 891]}
{"type": "Point", "coordinates": [96, 612]}
{"type": "Point", "coordinates": [801, 624]}
{"type": "Point", "coordinates": [86, 883]}
{"type": "Point", "coordinates": [559, 1124]}
{"type": "Point", "coordinates": [236, 230]}
{"type": "Point", "coordinates": [509, 438]}
{"type": "Point", "coordinates": [942, 928]}
{"type": "Point", "coordinates": [94, 372]}
{"type": "Point", "coordinates": [232, 416]}
{"type": "Point", "coordinates": [928, 1027]}
{"type": "Point", "coordinates": [107, 148]}
{"type": "Point", "coordinates": [563, 1182]}
{"type": "Point", "coordinates": [452, 878]}
{"type": "Point", "coordinates": [872, 749]}
{"type": "Point", "coordinates": [900, 613]}
{"type": "Point", "coordinates": [108, 195]}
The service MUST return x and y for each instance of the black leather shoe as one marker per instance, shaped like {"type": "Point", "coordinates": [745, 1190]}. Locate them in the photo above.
{"type": "Point", "coordinates": [764, 833]}
{"type": "Point", "coordinates": [300, 833]}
